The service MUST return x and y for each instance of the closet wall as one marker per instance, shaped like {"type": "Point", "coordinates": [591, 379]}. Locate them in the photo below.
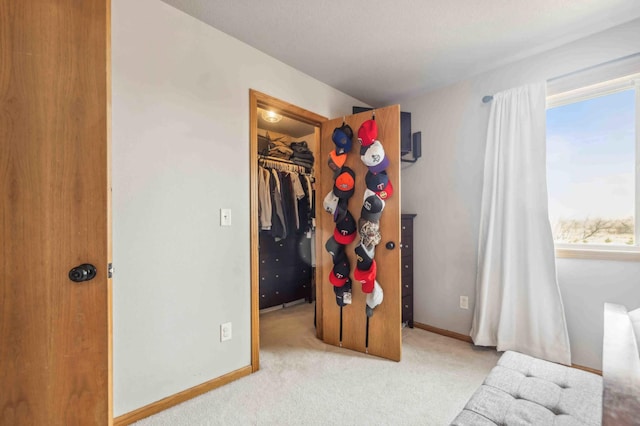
{"type": "Point", "coordinates": [286, 217]}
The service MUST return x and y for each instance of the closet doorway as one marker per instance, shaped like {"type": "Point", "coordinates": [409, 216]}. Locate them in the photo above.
{"type": "Point", "coordinates": [354, 328]}
{"type": "Point", "coordinates": [284, 145]}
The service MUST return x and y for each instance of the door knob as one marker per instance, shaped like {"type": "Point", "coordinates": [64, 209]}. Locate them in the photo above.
{"type": "Point", "coordinates": [390, 245]}
{"type": "Point", "coordinates": [84, 272]}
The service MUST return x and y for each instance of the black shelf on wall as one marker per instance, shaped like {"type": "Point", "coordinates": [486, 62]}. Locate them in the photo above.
{"type": "Point", "coordinates": [410, 143]}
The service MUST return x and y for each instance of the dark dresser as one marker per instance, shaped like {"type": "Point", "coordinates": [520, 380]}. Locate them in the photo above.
{"type": "Point", "coordinates": [285, 270]}
{"type": "Point", "coordinates": [406, 239]}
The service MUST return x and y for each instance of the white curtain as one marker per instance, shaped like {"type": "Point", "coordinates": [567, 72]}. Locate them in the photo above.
{"type": "Point", "coordinates": [518, 303]}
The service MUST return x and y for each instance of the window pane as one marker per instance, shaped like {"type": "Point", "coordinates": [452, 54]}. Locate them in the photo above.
{"type": "Point", "coordinates": [590, 170]}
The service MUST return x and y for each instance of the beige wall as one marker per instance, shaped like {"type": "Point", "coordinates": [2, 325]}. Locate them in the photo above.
{"type": "Point", "coordinates": [445, 188]}
{"type": "Point", "coordinates": [180, 153]}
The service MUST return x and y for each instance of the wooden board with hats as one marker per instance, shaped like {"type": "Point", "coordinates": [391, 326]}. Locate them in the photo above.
{"type": "Point", "coordinates": [385, 330]}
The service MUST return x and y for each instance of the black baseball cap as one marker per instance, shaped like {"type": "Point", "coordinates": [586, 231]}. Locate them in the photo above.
{"type": "Point", "coordinates": [340, 273]}
{"type": "Point", "coordinates": [363, 259]}
{"type": "Point", "coordinates": [379, 183]}
{"type": "Point", "coordinates": [335, 249]}
{"type": "Point", "coordinates": [345, 231]}
{"type": "Point", "coordinates": [371, 207]}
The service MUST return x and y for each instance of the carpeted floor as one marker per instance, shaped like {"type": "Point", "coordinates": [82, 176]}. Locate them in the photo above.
{"type": "Point", "coordinates": [302, 381]}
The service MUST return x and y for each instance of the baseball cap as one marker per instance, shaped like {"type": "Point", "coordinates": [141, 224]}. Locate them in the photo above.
{"type": "Point", "coordinates": [375, 158]}
{"type": "Point", "coordinates": [380, 184]}
{"type": "Point", "coordinates": [369, 251]}
{"type": "Point", "coordinates": [347, 130]}
{"type": "Point", "coordinates": [374, 298]}
{"type": "Point", "coordinates": [341, 209]}
{"type": "Point", "coordinates": [330, 202]}
{"type": "Point", "coordinates": [342, 139]}
{"type": "Point", "coordinates": [363, 258]}
{"type": "Point", "coordinates": [345, 231]}
{"type": "Point", "coordinates": [335, 249]}
{"type": "Point", "coordinates": [366, 278]}
{"type": "Point", "coordinates": [340, 273]}
{"type": "Point", "coordinates": [336, 161]}
{"type": "Point", "coordinates": [372, 206]}
{"type": "Point", "coordinates": [369, 234]}
{"type": "Point", "coordinates": [368, 132]}
{"type": "Point", "coordinates": [344, 184]}
{"type": "Point", "coordinates": [340, 292]}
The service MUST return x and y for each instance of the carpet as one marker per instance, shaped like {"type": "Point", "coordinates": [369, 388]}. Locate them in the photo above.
{"type": "Point", "coordinates": [303, 381]}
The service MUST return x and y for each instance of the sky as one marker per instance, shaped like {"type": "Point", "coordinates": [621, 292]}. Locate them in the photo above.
{"type": "Point", "coordinates": [590, 158]}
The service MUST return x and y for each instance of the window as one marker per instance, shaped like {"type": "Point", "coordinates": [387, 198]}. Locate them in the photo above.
{"type": "Point", "coordinates": [592, 172]}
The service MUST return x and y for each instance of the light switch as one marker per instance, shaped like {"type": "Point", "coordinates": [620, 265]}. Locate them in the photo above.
{"type": "Point", "coordinates": [225, 217]}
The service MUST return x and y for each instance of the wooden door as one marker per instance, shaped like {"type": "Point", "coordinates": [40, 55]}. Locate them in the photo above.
{"type": "Point", "coordinates": [54, 174]}
{"type": "Point", "coordinates": [384, 339]}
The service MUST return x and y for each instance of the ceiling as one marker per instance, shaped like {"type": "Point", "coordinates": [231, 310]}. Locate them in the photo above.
{"type": "Point", "coordinates": [380, 51]}
{"type": "Point", "coordinates": [288, 126]}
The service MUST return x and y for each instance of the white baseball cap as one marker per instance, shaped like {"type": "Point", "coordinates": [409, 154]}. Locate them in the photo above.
{"type": "Point", "coordinates": [375, 297]}
{"type": "Point", "coordinates": [330, 202]}
{"type": "Point", "coordinates": [375, 158]}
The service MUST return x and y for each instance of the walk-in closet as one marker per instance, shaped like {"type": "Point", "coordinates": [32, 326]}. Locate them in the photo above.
{"type": "Point", "coordinates": [292, 238]}
{"type": "Point", "coordinates": [286, 210]}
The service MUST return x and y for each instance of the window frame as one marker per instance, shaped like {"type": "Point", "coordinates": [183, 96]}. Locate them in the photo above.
{"type": "Point", "coordinates": [602, 251]}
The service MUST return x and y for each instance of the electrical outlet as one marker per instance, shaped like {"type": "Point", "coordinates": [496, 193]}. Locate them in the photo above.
{"type": "Point", "coordinates": [464, 302]}
{"type": "Point", "coordinates": [225, 331]}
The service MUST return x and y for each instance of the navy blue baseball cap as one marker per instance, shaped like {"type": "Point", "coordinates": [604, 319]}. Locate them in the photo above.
{"type": "Point", "coordinates": [342, 139]}
{"type": "Point", "coordinates": [340, 291]}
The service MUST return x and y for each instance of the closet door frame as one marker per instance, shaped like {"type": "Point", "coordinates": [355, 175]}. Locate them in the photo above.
{"type": "Point", "coordinates": [260, 100]}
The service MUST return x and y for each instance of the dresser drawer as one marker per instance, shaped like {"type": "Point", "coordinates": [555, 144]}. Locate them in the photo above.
{"type": "Point", "coordinates": [407, 286]}
{"type": "Point", "coordinates": [407, 265]}
{"type": "Point", "coordinates": [286, 284]}
{"type": "Point", "coordinates": [292, 251]}
{"type": "Point", "coordinates": [407, 310]}
{"type": "Point", "coordinates": [407, 246]}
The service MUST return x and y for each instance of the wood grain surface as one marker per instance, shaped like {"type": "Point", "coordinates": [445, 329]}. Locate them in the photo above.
{"type": "Point", "coordinates": [54, 136]}
{"type": "Point", "coordinates": [262, 100]}
{"type": "Point", "coordinates": [385, 338]}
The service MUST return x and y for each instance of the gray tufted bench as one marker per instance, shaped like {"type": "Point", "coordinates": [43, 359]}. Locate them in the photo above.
{"type": "Point", "coordinates": [522, 390]}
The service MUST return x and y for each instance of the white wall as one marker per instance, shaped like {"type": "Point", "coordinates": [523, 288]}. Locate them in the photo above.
{"type": "Point", "coordinates": [180, 153]}
{"type": "Point", "coordinates": [445, 188]}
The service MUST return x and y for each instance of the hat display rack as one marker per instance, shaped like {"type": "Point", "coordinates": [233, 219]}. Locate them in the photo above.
{"type": "Point", "coordinates": [378, 189]}
{"type": "Point", "coordinates": [336, 203]}
{"type": "Point", "coordinates": [361, 266]}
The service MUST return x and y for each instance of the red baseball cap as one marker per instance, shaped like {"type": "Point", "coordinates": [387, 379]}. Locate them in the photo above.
{"type": "Point", "coordinates": [385, 193]}
{"type": "Point", "coordinates": [345, 231]}
{"type": "Point", "coordinates": [368, 132]}
{"type": "Point", "coordinates": [366, 278]}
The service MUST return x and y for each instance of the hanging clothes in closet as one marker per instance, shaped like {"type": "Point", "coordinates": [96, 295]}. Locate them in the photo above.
{"type": "Point", "coordinates": [285, 199]}
{"type": "Point", "coordinates": [285, 205]}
